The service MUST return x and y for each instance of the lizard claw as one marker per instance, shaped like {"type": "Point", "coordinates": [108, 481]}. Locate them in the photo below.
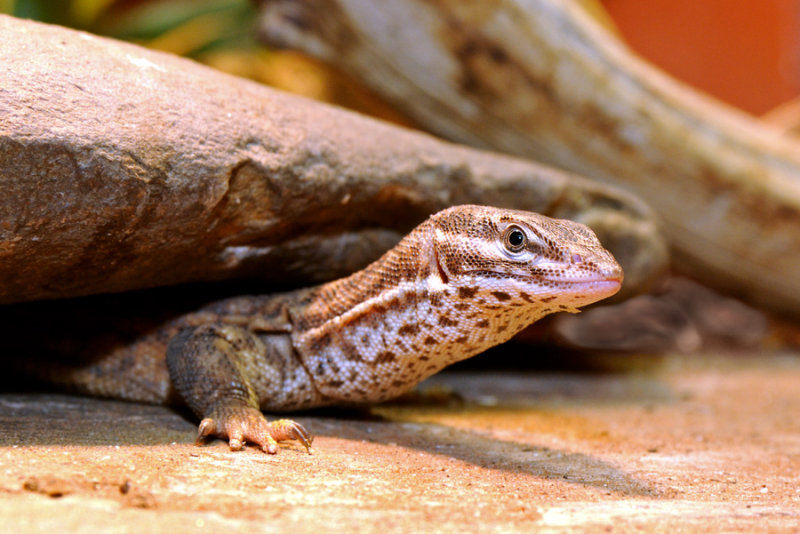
{"type": "Point", "coordinates": [286, 429]}
{"type": "Point", "coordinates": [241, 425]}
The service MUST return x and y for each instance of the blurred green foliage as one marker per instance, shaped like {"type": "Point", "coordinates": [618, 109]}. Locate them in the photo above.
{"type": "Point", "coordinates": [185, 27]}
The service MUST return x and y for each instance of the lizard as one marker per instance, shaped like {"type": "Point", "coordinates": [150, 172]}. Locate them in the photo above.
{"type": "Point", "coordinates": [466, 279]}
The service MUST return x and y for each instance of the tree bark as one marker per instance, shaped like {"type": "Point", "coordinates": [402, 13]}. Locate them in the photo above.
{"type": "Point", "coordinates": [122, 168]}
{"type": "Point", "coordinates": [539, 79]}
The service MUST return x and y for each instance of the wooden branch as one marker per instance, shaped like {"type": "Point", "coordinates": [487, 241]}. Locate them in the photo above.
{"type": "Point", "coordinates": [539, 79]}
{"type": "Point", "coordinates": [123, 168]}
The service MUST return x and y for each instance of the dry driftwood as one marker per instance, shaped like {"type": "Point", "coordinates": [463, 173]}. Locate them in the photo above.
{"type": "Point", "coordinates": [123, 168]}
{"type": "Point", "coordinates": [539, 79]}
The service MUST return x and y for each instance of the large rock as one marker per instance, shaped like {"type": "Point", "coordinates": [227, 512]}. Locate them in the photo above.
{"type": "Point", "coordinates": [124, 168]}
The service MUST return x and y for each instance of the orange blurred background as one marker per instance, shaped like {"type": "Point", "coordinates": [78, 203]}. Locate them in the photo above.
{"type": "Point", "coordinates": [744, 52]}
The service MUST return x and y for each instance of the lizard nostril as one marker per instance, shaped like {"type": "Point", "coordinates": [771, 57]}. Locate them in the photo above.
{"type": "Point", "coordinates": [577, 258]}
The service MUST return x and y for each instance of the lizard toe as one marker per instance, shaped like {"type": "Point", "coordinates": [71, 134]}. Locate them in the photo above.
{"type": "Point", "coordinates": [207, 428]}
{"type": "Point", "coordinates": [243, 424]}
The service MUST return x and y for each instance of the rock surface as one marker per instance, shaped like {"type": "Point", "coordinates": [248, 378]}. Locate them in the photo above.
{"type": "Point", "coordinates": [681, 316]}
{"type": "Point", "coordinates": [688, 445]}
{"type": "Point", "coordinates": [123, 168]}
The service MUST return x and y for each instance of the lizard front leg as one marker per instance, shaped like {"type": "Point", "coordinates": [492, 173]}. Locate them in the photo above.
{"type": "Point", "coordinates": [224, 373]}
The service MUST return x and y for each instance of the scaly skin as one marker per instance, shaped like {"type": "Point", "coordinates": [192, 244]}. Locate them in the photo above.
{"type": "Point", "coordinates": [466, 279]}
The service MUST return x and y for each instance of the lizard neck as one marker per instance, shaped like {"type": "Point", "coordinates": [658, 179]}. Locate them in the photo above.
{"type": "Point", "coordinates": [372, 291]}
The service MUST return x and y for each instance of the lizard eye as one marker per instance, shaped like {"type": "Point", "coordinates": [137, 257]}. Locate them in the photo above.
{"type": "Point", "coordinates": [514, 239]}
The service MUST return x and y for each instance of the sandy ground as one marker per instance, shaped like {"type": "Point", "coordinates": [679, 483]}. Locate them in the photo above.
{"type": "Point", "coordinates": [688, 444]}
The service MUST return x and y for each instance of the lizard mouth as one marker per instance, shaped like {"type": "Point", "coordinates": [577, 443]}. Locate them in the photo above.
{"type": "Point", "coordinates": [594, 284]}
{"type": "Point", "coordinates": [615, 281]}
{"type": "Point", "coordinates": [600, 288]}
{"type": "Point", "coordinates": [612, 277]}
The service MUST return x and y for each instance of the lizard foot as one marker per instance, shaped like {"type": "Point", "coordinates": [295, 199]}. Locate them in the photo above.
{"type": "Point", "coordinates": [248, 425]}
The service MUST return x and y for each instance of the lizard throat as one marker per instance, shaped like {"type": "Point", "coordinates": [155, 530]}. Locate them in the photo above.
{"type": "Point", "coordinates": [389, 343]}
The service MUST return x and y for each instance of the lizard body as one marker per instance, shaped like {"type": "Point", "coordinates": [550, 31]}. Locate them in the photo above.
{"type": "Point", "coordinates": [466, 279]}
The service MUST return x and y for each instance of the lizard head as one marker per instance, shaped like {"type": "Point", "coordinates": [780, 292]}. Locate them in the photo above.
{"type": "Point", "coordinates": [468, 278]}
{"type": "Point", "coordinates": [516, 258]}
